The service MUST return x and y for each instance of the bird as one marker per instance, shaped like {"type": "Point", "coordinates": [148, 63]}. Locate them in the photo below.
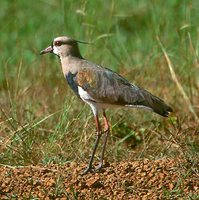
{"type": "Point", "coordinates": [101, 88]}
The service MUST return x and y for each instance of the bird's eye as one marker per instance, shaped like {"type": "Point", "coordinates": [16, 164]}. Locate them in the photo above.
{"type": "Point", "coordinates": [58, 43]}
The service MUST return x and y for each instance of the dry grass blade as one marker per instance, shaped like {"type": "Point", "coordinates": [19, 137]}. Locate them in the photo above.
{"type": "Point", "coordinates": [193, 50]}
{"type": "Point", "coordinates": [26, 128]}
{"type": "Point", "coordinates": [179, 86]}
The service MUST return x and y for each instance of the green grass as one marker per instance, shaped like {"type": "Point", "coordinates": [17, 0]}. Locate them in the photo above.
{"type": "Point", "coordinates": [41, 121]}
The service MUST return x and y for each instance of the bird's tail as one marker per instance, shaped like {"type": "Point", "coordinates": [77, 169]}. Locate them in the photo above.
{"type": "Point", "coordinates": [155, 103]}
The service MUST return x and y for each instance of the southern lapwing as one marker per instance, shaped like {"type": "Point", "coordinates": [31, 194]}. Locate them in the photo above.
{"type": "Point", "coordinates": [100, 88]}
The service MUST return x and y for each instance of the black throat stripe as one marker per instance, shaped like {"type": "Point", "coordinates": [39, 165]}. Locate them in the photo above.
{"type": "Point", "coordinates": [71, 82]}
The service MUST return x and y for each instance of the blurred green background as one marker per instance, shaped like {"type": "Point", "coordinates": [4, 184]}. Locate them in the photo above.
{"type": "Point", "coordinates": [124, 32]}
{"type": "Point", "coordinates": [41, 119]}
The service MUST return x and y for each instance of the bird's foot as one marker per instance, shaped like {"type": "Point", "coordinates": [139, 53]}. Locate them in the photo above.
{"type": "Point", "coordinates": [99, 167]}
{"type": "Point", "coordinates": [88, 169]}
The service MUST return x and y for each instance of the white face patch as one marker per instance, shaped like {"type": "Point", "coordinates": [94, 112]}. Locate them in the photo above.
{"type": "Point", "coordinates": [55, 50]}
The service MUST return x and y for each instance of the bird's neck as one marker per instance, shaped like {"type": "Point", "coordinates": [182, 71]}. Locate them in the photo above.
{"type": "Point", "coordinates": [70, 64]}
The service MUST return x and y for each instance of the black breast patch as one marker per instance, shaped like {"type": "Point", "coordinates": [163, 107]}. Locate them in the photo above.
{"type": "Point", "coordinates": [71, 82]}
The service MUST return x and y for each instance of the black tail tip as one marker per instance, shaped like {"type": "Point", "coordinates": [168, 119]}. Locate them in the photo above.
{"type": "Point", "coordinates": [167, 112]}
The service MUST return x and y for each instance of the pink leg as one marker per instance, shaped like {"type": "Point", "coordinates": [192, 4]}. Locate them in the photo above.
{"type": "Point", "coordinates": [106, 132]}
{"type": "Point", "coordinates": [89, 167]}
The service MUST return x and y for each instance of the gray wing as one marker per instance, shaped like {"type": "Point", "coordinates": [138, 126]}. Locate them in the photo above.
{"type": "Point", "coordinates": [106, 86]}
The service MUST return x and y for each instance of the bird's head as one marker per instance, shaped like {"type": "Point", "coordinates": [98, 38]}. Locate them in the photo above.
{"type": "Point", "coordinates": [63, 46]}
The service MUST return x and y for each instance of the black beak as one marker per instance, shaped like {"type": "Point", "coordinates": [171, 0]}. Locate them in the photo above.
{"type": "Point", "coordinates": [47, 50]}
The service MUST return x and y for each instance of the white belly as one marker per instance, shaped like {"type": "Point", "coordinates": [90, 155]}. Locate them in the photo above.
{"type": "Point", "coordinates": [100, 106]}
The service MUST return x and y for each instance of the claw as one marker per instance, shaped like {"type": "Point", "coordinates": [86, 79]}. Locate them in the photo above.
{"type": "Point", "coordinates": [99, 167]}
{"type": "Point", "coordinates": [88, 169]}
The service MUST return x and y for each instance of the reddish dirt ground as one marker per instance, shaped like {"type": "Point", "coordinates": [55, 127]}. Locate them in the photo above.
{"type": "Point", "coordinates": [143, 179]}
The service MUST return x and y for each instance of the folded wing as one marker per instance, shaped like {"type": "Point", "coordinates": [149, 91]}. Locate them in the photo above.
{"type": "Point", "coordinates": [106, 86]}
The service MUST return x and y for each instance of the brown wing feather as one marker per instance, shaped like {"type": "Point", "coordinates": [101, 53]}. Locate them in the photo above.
{"type": "Point", "coordinates": [106, 86]}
